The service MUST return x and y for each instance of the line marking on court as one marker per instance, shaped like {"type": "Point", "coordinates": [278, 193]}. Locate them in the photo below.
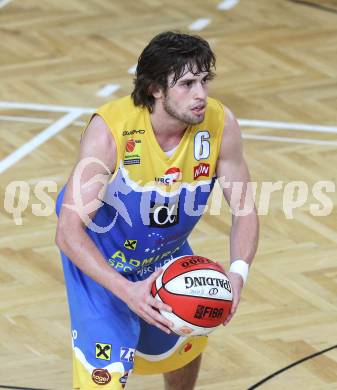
{"type": "Point", "coordinates": [227, 4]}
{"type": "Point", "coordinates": [257, 137]}
{"type": "Point", "coordinates": [19, 388]}
{"type": "Point", "coordinates": [287, 126]}
{"type": "Point", "coordinates": [4, 2]}
{"type": "Point", "coordinates": [10, 319]}
{"type": "Point", "coordinates": [199, 24]}
{"type": "Point", "coordinates": [45, 107]}
{"type": "Point", "coordinates": [108, 90]}
{"type": "Point", "coordinates": [31, 119]}
{"type": "Point", "coordinates": [74, 112]}
{"type": "Point", "coordinates": [35, 142]}
{"type": "Point", "coordinates": [132, 69]}
{"type": "Point", "coordinates": [25, 119]}
{"type": "Point", "coordinates": [271, 376]}
{"type": "Point", "coordinates": [35, 352]}
{"type": "Point", "coordinates": [243, 122]}
{"type": "Point", "coordinates": [314, 5]}
{"type": "Point", "coordinates": [308, 141]}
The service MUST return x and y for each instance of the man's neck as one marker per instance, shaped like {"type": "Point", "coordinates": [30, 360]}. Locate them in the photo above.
{"type": "Point", "coordinates": [165, 124]}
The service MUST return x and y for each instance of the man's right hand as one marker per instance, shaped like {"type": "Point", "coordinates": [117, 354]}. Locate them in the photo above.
{"type": "Point", "coordinates": [140, 301]}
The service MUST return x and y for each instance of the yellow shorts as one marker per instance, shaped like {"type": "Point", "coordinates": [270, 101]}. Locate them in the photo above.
{"type": "Point", "coordinates": [113, 376]}
{"type": "Point", "coordinates": [110, 341]}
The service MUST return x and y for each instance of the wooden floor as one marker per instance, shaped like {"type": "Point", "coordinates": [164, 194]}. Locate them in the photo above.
{"type": "Point", "coordinates": [277, 61]}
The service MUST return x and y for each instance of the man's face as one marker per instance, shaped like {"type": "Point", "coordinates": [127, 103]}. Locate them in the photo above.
{"type": "Point", "coordinates": [186, 101]}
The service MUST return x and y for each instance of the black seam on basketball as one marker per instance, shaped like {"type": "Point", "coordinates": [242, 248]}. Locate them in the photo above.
{"type": "Point", "coordinates": [173, 312]}
{"type": "Point", "coordinates": [196, 296]}
{"type": "Point", "coordinates": [201, 269]}
{"type": "Point", "coordinates": [162, 277]}
{"type": "Point", "coordinates": [200, 296]}
{"type": "Point", "coordinates": [193, 296]}
{"type": "Point", "coordinates": [191, 323]}
{"type": "Point", "coordinates": [207, 269]}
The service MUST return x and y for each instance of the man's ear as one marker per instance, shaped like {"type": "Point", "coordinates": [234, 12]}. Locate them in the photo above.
{"type": "Point", "coordinates": [156, 91]}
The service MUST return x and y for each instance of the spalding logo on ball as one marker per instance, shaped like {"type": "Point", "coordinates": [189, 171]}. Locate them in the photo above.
{"type": "Point", "coordinates": [199, 293]}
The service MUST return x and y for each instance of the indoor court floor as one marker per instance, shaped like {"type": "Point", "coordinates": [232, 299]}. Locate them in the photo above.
{"type": "Point", "coordinates": [277, 71]}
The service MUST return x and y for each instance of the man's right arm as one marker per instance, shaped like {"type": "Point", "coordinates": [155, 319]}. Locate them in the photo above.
{"type": "Point", "coordinates": [98, 148]}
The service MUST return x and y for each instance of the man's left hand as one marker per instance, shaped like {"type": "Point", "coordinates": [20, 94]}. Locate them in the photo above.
{"type": "Point", "coordinates": [237, 284]}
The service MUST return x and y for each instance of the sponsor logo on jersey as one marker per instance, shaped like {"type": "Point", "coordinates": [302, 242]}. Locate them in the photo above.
{"type": "Point", "coordinates": [133, 132]}
{"type": "Point", "coordinates": [130, 244]}
{"type": "Point", "coordinates": [133, 150]}
{"type": "Point", "coordinates": [172, 175]}
{"type": "Point", "coordinates": [201, 170]}
{"type": "Point", "coordinates": [130, 145]}
{"type": "Point", "coordinates": [185, 348]}
{"type": "Point", "coordinates": [199, 281]}
{"type": "Point", "coordinates": [101, 376]}
{"type": "Point", "coordinates": [164, 215]}
{"type": "Point", "coordinates": [207, 311]}
{"type": "Point", "coordinates": [103, 351]}
{"type": "Point", "coordinates": [122, 263]}
{"type": "Point", "coordinates": [132, 161]}
{"type": "Point", "coordinates": [127, 354]}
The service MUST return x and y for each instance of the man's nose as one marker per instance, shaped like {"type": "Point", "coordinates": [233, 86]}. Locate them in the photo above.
{"type": "Point", "coordinates": [200, 91]}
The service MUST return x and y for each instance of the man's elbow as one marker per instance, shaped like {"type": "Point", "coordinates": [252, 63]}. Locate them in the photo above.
{"type": "Point", "coordinates": [64, 233]}
{"type": "Point", "coordinates": [60, 236]}
{"type": "Point", "coordinates": [68, 231]}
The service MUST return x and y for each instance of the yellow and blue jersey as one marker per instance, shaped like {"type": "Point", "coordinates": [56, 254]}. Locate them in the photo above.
{"type": "Point", "coordinates": [153, 201]}
{"type": "Point", "coordinates": [151, 204]}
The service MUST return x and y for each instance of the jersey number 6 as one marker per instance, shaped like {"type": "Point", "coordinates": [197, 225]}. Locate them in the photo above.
{"type": "Point", "coordinates": [202, 147]}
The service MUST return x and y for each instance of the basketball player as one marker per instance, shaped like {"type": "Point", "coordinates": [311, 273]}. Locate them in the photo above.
{"type": "Point", "coordinates": [147, 164]}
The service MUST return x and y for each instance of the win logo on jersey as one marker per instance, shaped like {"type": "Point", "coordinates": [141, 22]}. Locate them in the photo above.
{"type": "Point", "coordinates": [201, 170]}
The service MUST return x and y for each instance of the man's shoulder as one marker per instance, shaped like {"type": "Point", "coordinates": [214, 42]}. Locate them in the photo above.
{"type": "Point", "coordinates": [119, 109]}
{"type": "Point", "coordinates": [214, 104]}
{"type": "Point", "coordinates": [215, 113]}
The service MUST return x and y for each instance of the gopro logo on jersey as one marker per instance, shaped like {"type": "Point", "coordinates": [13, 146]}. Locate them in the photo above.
{"type": "Point", "coordinates": [164, 215]}
{"type": "Point", "coordinates": [201, 170]}
{"type": "Point", "coordinates": [172, 175]}
{"type": "Point", "coordinates": [132, 132]}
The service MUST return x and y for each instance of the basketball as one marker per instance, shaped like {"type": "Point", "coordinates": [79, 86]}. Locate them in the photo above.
{"type": "Point", "coordinates": [199, 293]}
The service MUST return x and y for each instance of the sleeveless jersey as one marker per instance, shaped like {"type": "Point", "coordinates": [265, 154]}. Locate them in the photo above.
{"type": "Point", "coordinates": [153, 201]}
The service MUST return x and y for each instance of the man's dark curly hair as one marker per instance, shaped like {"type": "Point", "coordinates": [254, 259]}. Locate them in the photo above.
{"type": "Point", "coordinates": [169, 53]}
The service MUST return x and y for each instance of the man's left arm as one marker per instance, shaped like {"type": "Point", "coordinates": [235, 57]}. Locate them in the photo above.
{"type": "Point", "coordinates": [234, 179]}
